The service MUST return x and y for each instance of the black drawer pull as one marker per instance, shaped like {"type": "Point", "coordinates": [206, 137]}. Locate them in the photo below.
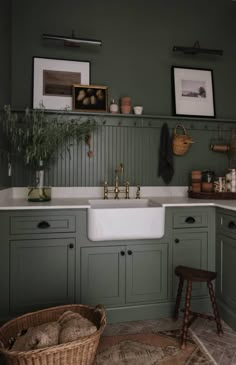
{"type": "Point", "coordinates": [176, 240]}
{"type": "Point", "coordinates": [130, 252]}
{"type": "Point", "coordinates": [71, 245]}
{"type": "Point", "coordinates": [190, 220]}
{"type": "Point", "coordinates": [43, 225]}
{"type": "Point", "coordinates": [232, 225]}
{"type": "Point", "coordinates": [122, 253]}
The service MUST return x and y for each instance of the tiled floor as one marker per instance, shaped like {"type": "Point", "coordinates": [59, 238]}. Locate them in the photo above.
{"type": "Point", "coordinates": [221, 349]}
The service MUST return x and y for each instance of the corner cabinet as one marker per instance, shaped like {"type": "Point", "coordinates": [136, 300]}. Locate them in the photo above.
{"type": "Point", "coordinates": [226, 265]}
{"type": "Point", "coordinates": [117, 275]}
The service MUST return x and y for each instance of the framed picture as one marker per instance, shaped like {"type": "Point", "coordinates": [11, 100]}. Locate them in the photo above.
{"type": "Point", "coordinates": [53, 80]}
{"type": "Point", "coordinates": [193, 92]}
{"type": "Point", "coordinates": [90, 98]}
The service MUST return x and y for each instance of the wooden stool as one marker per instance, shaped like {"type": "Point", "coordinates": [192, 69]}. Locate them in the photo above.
{"type": "Point", "coordinates": [197, 275]}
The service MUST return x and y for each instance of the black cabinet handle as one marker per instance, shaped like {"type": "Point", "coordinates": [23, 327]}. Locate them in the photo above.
{"type": "Point", "coordinates": [130, 252]}
{"type": "Point", "coordinates": [176, 240]}
{"type": "Point", "coordinates": [190, 220]}
{"type": "Point", "coordinates": [43, 225]}
{"type": "Point", "coordinates": [71, 245]}
{"type": "Point", "coordinates": [122, 253]}
{"type": "Point", "coordinates": [232, 225]}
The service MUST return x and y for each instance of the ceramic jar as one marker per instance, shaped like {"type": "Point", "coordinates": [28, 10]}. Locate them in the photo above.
{"type": "Point", "coordinates": [125, 104]}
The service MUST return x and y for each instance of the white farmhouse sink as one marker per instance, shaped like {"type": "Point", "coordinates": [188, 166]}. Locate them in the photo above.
{"type": "Point", "coordinates": [125, 219]}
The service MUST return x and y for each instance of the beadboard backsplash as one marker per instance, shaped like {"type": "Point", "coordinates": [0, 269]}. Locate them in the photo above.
{"type": "Point", "coordinates": [134, 141]}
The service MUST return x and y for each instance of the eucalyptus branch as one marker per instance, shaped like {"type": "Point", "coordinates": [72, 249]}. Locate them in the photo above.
{"type": "Point", "coordinates": [37, 137]}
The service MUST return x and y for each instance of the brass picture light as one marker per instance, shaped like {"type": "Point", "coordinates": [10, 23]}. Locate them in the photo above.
{"type": "Point", "coordinates": [196, 49]}
{"type": "Point", "coordinates": [72, 41]}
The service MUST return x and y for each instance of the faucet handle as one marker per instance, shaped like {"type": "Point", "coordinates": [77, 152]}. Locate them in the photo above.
{"type": "Point", "coordinates": [127, 190]}
{"type": "Point", "coordinates": [138, 192]}
{"type": "Point", "coordinates": [105, 190]}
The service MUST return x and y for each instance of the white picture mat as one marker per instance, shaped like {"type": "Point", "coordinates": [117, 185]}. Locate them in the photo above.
{"type": "Point", "coordinates": [193, 105]}
{"type": "Point", "coordinates": [56, 102]}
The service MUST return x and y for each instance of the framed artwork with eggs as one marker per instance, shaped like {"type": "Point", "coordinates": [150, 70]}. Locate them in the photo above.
{"type": "Point", "coordinates": [93, 98]}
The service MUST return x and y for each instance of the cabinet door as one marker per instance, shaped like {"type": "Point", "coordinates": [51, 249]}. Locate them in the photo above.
{"type": "Point", "coordinates": [147, 272]}
{"type": "Point", "coordinates": [41, 273]}
{"type": "Point", "coordinates": [226, 270]}
{"type": "Point", "coordinates": [190, 249]}
{"type": "Point", "coordinates": [103, 275]}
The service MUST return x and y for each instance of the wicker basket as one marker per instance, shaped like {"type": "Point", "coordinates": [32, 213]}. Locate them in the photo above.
{"type": "Point", "coordinates": [181, 142]}
{"type": "Point", "coordinates": [80, 352]}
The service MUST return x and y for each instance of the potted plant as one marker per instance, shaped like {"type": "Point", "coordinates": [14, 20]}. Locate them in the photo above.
{"type": "Point", "coordinates": [36, 136]}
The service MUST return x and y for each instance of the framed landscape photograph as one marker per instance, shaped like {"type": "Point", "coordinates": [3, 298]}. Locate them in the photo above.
{"type": "Point", "coordinates": [53, 80]}
{"type": "Point", "coordinates": [193, 92]}
{"type": "Point", "coordinates": [92, 98]}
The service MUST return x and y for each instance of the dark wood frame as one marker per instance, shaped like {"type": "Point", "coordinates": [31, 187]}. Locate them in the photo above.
{"type": "Point", "coordinates": [174, 93]}
{"type": "Point", "coordinates": [90, 91]}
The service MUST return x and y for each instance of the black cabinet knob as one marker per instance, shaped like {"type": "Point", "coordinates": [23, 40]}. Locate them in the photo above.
{"type": "Point", "coordinates": [130, 252]}
{"type": "Point", "coordinates": [232, 225]}
{"type": "Point", "coordinates": [176, 240]}
{"type": "Point", "coordinates": [189, 220]}
{"type": "Point", "coordinates": [122, 253]}
{"type": "Point", "coordinates": [71, 245]}
{"type": "Point", "coordinates": [43, 225]}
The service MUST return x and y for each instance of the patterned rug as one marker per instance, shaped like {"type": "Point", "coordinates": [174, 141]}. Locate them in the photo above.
{"type": "Point", "coordinates": [149, 349]}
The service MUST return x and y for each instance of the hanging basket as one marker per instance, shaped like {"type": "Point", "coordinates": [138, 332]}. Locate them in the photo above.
{"type": "Point", "coordinates": [181, 142]}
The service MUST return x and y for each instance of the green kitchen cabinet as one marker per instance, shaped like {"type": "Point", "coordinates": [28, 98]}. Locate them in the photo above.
{"type": "Point", "coordinates": [4, 267]}
{"type": "Point", "coordinates": [191, 249]}
{"type": "Point", "coordinates": [103, 275]}
{"type": "Point", "coordinates": [41, 273]}
{"type": "Point", "coordinates": [193, 241]}
{"type": "Point", "coordinates": [226, 265]}
{"type": "Point", "coordinates": [124, 274]}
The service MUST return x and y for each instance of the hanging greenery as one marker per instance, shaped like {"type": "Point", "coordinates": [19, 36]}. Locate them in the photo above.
{"type": "Point", "coordinates": [36, 135]}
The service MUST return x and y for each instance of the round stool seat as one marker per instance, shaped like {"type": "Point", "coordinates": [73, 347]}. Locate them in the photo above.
{"type": "Point", "coordinates": [189, 273]}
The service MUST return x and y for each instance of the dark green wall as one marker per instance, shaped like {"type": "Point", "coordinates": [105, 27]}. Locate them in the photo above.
{"type": "Point", "coordinates": [5, 59]}
{"type": "Point", "coordinates": [135, 59]}
{"type": "Point", "coordinates": [5, 76]}
{"type": "Point", "coordinates": [138, 36]}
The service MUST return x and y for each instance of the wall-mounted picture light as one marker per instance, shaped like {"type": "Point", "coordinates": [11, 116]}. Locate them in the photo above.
{"type": "Point", "coordinates": [196, 49]}
{"type": "Point", "coordinates": [72, 41]}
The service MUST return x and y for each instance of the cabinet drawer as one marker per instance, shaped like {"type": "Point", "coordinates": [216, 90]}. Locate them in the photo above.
{"type": "Point", "coordinates": [42, 224]}
{"type": "Point", "coordinates": [226, 223]}
{"type": "Point", "coordinates": [190, 218]}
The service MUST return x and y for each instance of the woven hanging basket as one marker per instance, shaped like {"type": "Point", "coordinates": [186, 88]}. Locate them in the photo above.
{"type": "Point", "coordinates": [181, 142]}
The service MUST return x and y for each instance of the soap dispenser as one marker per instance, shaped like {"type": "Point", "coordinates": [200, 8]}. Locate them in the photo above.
{"type": "Point", "coordinates": [113, 106]}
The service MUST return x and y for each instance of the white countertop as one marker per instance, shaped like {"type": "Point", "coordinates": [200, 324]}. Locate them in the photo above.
{"type": "Point", "coordinates": [78, 198]}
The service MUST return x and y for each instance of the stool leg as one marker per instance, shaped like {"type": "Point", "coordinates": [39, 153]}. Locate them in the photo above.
{"type": "Point", "coordinates": [186, 314]}
{"type": "Point", "coordinates": [215, 308]}
{"type": "Point", "coordinates": [178, 299]}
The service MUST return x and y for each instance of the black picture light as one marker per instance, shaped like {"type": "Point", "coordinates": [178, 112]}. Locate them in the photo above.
{"type": "Point", "coordinates": [72, 41]}
{"type": "Point", "coordinates": [196, 49]}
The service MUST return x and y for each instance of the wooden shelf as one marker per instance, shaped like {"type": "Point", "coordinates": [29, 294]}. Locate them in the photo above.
{"type": "Point", "coordinates": [213, 195]}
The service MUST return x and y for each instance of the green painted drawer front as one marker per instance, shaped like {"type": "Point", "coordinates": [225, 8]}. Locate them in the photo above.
{"type": "Point", "coordinates": [226, 223]}
{"type": "Point", "coordinates": [190, 249]}
{"type": "Point", "coordinates": [190, 218]}
{"type": "Point", "coordinates": [146, 272]}
{"type": "Point", "coordinates": [42, 224]}
{"type": "Point", "coordinates": [226, 270]}
{"type": "Point", "coordinates": [41, 273]}
{"type": "Point", "coordinates": [103, 275]}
